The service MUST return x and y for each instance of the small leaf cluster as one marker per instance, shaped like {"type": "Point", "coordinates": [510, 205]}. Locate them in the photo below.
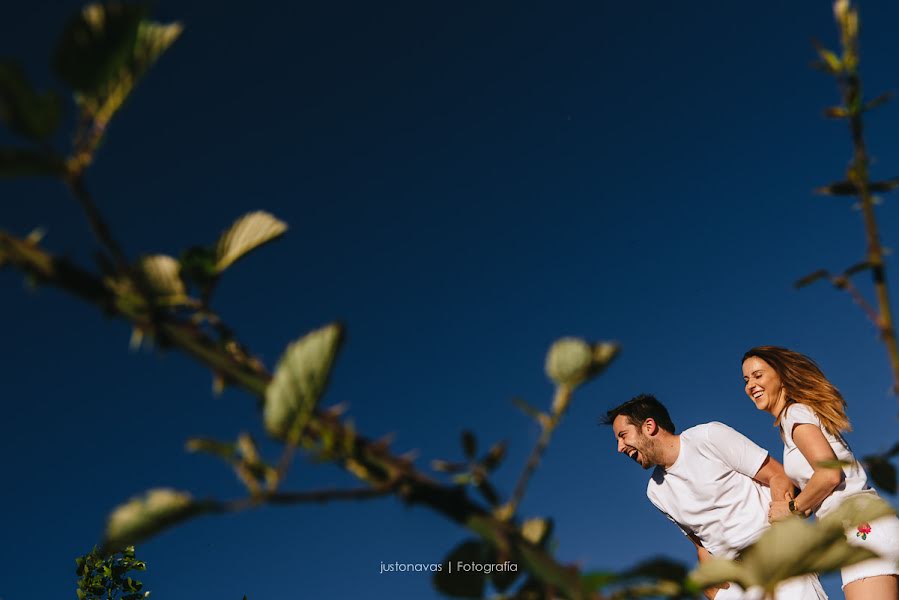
{"type": "Point", "coordinates": [475, 471]}
{"type": "Point", "coordinates": [107, 576]}
{"type": "Point", "coordinates": [103, 51]}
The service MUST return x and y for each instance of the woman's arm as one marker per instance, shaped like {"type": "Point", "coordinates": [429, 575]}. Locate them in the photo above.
{"type": "Point", "coordinates": [816, 449]}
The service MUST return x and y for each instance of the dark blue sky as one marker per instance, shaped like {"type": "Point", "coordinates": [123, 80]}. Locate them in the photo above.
{"type": "Point", "coordinates": [464, 183]}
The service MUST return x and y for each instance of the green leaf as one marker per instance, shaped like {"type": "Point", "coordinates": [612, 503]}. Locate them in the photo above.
{"type": "Point", "coordinates": [97, 44]}
{"type": "Point", "coordinates": [572, 361]}
{"type": "Point", "coordinates": [300, 379]}
{"type": "Point", "coordinates": [469, 444]}
{"type": "Point", "coordinates": [248, 233]}
{"type": "Point", "coordinates": [143, 517]}
{"type": "Point", "coordinates": [460, 583]}
{"type": "Point", "coordinates": [25, 111]}
{"type": "Point", "coordinates": [21, 162]}
{"type": "Point", "coordinates": [198, 265]}
{"type": "Point", "coordinates": [657, 568]}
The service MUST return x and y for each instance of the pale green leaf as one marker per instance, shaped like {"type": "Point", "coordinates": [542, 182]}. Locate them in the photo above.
{"type": "Point", "coordinates": [144, 516]}
{"type": "Point", "coordinates": [248, 233]}
{"type": "Point", "coordinates": [153, 39]}
{"type": "Point", "coordinates": [536, 530]}
{"type": "Point", "coordinates": [572, 361]}
{"type": "Point", "coordinates": [162, 275]}
{"type": "Point", "coordinates": [300, 379]}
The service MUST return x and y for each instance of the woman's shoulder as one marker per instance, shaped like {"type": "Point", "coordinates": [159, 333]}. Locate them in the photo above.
{"type": "Point", "coordinates": [797, 412]}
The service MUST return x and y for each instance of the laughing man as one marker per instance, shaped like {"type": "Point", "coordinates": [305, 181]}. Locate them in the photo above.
{"type": "Point", "coordinates": [713, 482]}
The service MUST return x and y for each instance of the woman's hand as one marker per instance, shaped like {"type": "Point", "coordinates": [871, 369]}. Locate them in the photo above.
{"type": "Point", "coordinates": [778, 510]}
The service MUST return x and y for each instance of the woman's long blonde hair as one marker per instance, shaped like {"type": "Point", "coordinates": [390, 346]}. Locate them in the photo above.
{"type": "Point", "coordinates": [804, 383]}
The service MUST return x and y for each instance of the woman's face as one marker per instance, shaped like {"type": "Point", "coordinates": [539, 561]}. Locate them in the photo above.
{"type": "Point", "coordinates": [763, 385]}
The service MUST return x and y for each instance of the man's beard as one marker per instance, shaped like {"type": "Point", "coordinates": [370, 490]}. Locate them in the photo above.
{"type": "Point", "coordinates": [648, 452]}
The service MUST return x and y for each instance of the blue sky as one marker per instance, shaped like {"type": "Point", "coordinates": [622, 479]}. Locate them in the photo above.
{"type": "Point", "coordinates": [463, 184]}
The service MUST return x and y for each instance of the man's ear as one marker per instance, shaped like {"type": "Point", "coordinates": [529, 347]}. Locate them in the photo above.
{"type": "Point", "coordinates": [650, 427]}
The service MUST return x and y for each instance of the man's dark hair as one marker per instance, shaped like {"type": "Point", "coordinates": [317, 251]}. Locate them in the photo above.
{"type": "Point", "coordinates": [640, 408]}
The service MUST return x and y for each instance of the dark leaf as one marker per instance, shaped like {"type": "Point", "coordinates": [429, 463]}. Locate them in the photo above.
{"type": "Point", "coordinates": [96, 44]}
{"type": "Point", "coordinates": [811, 278]}
{"type": "Point", "coordinates": [501, 580]}
{"type": "Point", "coordinates": [531, 590]}
{"type": "Point", "coordinates": [488, 492]}
{"type": "Point", "coordinates": [840, 188]}
{"type": "Point", "coordinates": [882, 472]}
{"type": "Point", "coordinates": [25, 111]}
{"type": "Point", "coordinates": [494, 456]}
{"type": "Point", "coordinates": [469, 444]}
{"type": "Point", "coordinates": [460, 583]}
{"type": "Point", "coordinates": [886, 185]}
{"type": "Point", "coordinates": [15, 162]}
{"type": "Point", "coordinates": [848, 188]}
{"type": "Point", "coordinates": [657, 568]}
{"type": "Point", "coordinates": [878, 101]}
{"type": "Point", "coordinates": [857, 268]}
{"type": "Point", "coordinates": [894, 451]}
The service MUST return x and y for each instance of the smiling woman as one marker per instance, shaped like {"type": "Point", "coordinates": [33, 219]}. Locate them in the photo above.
{"type": "Point", "coordinates": [811, 415]}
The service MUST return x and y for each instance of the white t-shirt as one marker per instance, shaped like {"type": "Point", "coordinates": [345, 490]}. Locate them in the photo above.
{"type": "Point", "coordinates": [798, 469]}
{"type": "Point", "coordinates": [709, 490]}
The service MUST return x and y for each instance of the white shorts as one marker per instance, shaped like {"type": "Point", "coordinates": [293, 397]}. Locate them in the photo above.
{"type": "Point", "coordinates": [806, 587]}
{"type": "Point", "coordinates": [883, 538]}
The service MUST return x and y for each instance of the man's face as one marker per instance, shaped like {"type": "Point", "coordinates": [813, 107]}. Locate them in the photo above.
{"type": "Point", "coordinates": [633, 442]}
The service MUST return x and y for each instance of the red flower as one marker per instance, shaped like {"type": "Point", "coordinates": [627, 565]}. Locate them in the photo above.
{"type": "Point", "coordinates": [863, 530]}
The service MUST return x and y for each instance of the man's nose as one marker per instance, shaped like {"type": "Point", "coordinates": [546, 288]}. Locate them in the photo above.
{"type": "Point", "coordinates": [620, 445]}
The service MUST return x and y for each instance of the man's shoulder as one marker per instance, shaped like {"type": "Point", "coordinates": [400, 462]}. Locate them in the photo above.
{"type": "Point", "coordinates": [709, 431]}
{"type": "Point", "coordinates": [656, 481]}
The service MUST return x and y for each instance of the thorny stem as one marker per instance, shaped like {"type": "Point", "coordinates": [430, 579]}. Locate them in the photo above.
{"type": "Point", "coordinates": [560, 404]}
{"type": "Point", "coordinates": [858, 174]}
{"type": "Point", "coordinates": [101, 231]}
{"type": "Point", "coordinates": [843, 283]}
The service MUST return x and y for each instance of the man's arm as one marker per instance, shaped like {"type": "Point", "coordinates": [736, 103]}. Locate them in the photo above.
{"type": "Point", "coordinates": [703, 555]}
{"type": "Point", "coordinates": [772, 474]}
